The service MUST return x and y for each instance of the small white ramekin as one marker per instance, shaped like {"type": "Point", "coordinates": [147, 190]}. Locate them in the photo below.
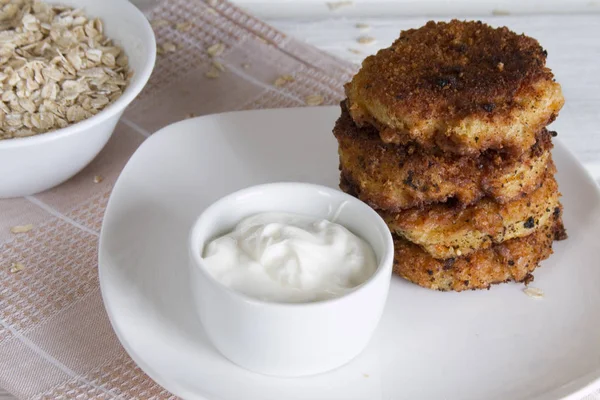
{"type": "Point", "coordinates": [290, 339]}
{"type": "Point", "coordinates": [33, 164]}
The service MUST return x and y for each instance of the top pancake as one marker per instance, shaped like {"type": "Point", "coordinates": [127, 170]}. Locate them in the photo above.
{"type": "Point", "coordinates": [460, 86]}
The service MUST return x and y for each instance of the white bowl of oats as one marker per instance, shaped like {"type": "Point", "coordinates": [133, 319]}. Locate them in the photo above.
{"type": "Point", "coordinates": [68, 70]}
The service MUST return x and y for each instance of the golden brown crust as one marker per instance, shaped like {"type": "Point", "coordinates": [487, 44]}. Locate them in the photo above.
{"type": "Point", "coordinates": [513, 260]}
{"type": "Point", "coordinates": [460, 86]}
{"type": "Point", "coordinates": [395, 177]}
{"type": "Point", "coordinates": [446, 231]}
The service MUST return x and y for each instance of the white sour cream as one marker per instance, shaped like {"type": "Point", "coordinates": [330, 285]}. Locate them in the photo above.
{"type": "Point", "coordinates": [290, 258]}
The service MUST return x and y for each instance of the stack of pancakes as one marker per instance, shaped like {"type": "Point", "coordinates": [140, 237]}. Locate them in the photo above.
{"type": "Point", "coordinates": [444, 134]}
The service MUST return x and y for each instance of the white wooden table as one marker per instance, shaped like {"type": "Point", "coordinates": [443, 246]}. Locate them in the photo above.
{"type": "Point", "coordinates": [570, 31]}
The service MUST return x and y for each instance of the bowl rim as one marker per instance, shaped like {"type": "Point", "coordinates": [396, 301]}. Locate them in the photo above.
{"type": "Point", "coordinates": [384, 266]}
{"type": "Point", "coordinates": [130, 93]}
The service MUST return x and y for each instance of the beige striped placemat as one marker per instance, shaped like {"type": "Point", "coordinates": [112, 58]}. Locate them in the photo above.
{"type": "Point", "coordinates": [55, 338]}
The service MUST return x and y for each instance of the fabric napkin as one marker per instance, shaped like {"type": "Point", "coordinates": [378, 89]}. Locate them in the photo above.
{"type": "Point", "coordinates": [55, 339]}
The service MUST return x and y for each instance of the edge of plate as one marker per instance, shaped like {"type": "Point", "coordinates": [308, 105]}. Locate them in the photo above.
{"type": "Point", "coordinates": [587, 388]}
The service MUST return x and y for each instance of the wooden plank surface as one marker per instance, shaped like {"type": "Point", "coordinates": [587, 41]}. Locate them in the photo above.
{"type": "Point", "coordinates": [294, 9]}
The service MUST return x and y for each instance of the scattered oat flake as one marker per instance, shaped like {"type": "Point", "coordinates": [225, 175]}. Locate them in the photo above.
{"type": "Point", "coordinates": [213, 73]}
{"type": "Point", "coordinates": [314, 100]}
{"type": "Point", "coordinates": [183, 26]}
{"type": "Point", "coordinates": [216, 49]}
{"type": "Point", "coordinates": [500, 66]}
{"type": "Point", "coordinates": [56, 68]}
{"type": "Point", "coordinates": [536, 293]}
{"type": "Point", "coordinates": [218, 65]}
{"type": "Point", "coordinates": [16, 267]}
{"type": "Point", "coordinates": [500, 13]}
{"type": "Point", "coordinates": [157, 23]}
{"type": "Point", "coordinates": [365, 40]}
{"type": "Point", "coordinates": [98, 178]}
{"type": "Point", "coordinates": [366, 375]}
{"type": "Point", "coordinates": [169, 47]}
{"type": "Point", "coordinates": [363, 27]}
{"type": "Point", "coordinates": [21, 228]}
{"type": "Point", "coordinates": [355, 51]}
{"type": "Point", "coordinates": [283, 79]}
{"type": "Point", "coordinates": [335, 5]}
{"type": "Point", "coordinates": [245, 65]}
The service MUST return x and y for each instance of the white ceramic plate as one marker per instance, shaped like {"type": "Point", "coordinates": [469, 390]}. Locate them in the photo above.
{"type": "Point", "coordinates": [496, 344]}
